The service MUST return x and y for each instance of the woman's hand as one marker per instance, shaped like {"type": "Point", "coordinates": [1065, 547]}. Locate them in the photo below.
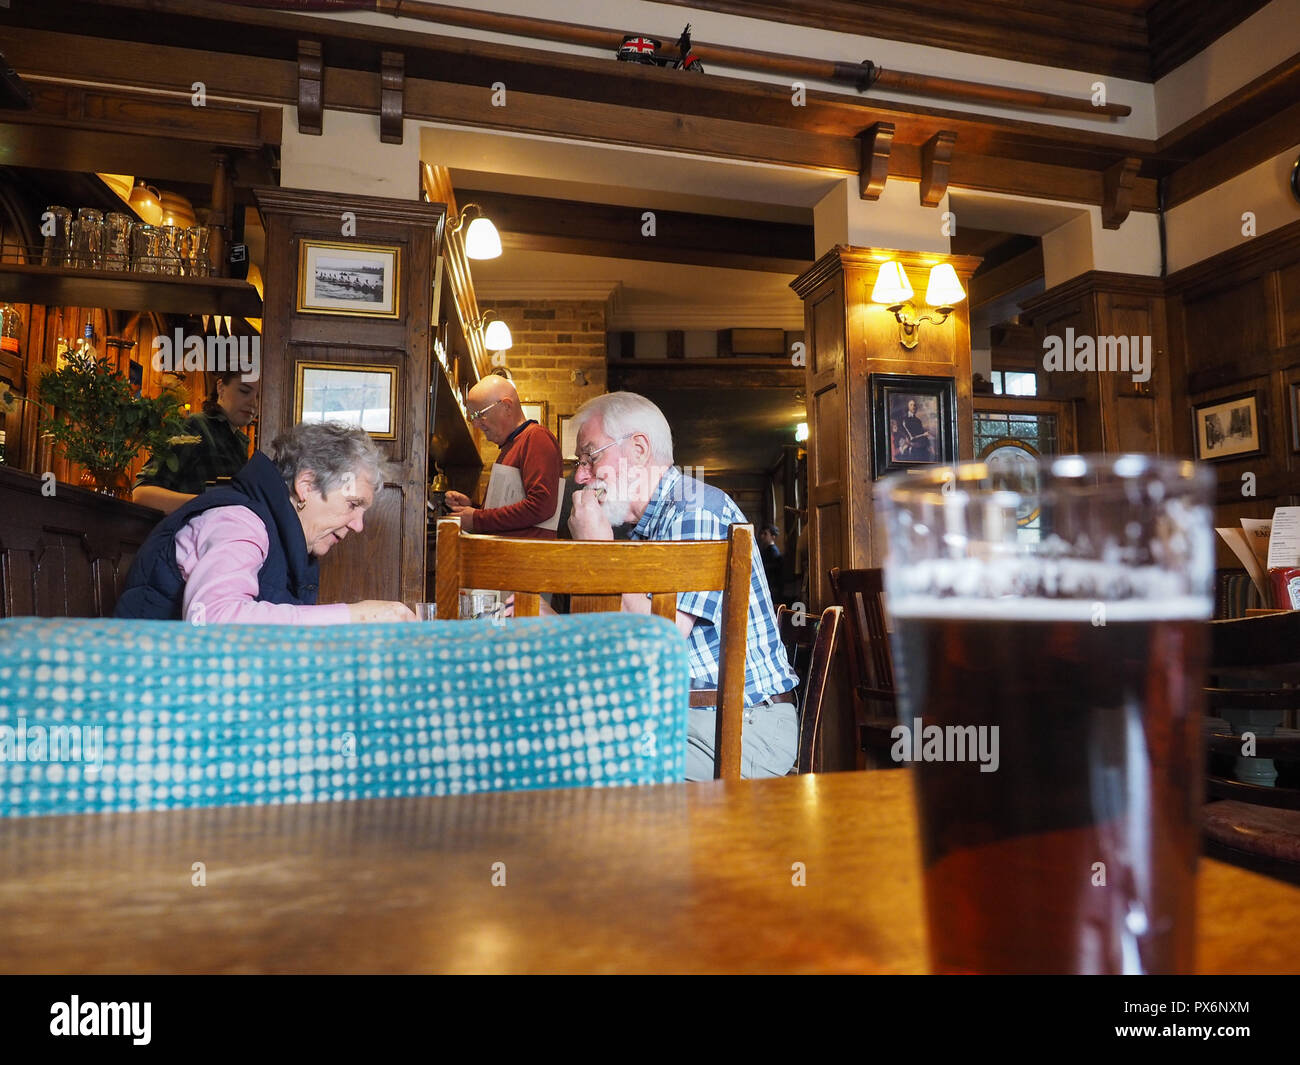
{"type": "Point", "coordinates": [379, 610]}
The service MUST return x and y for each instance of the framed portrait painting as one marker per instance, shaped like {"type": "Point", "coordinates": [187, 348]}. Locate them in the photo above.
{"type": "Point", "coordinates": [1228, 428]}
{"type": "Point", "coordinates": [354, 279]}
{"type": "Point", "coordinates": [914, 422]}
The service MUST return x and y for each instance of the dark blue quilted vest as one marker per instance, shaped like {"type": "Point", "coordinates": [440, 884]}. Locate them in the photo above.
{"type": "Point", "coordinates": [155, 587]}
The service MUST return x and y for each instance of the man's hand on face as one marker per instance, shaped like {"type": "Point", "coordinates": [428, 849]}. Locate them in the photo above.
{"type": "Point", "coordinates": [588, 521]}
{"type": "Point", "coordinates": [466, 515]}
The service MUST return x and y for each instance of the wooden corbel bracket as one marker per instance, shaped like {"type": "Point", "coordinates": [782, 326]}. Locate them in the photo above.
{"type": "Point", "coordinates": [311, 88]}
{"type": "Point", "coordinates": [936, 158]}
{"type": "Point", "coordinates": [873, 167]}
{"type": "Point", "coordinates": [392, 89]}
{"type": "Point", "coordinates": [1117, 192]}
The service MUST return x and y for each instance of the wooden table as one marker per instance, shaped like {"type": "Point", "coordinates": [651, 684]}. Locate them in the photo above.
{"type": "Point", "coordinates": [674, 878]}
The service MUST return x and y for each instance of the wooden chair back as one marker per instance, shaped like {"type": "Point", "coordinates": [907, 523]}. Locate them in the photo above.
{"type": "Point", "coordinates": [609, 569]}
{"type": "Point", "coordinates": [861, 592]}
{"type": "Point", "coordinates": [811, 648]}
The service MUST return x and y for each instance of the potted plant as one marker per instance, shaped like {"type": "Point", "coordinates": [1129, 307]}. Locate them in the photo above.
{"type": "Point", "coordinates": [105, 424]}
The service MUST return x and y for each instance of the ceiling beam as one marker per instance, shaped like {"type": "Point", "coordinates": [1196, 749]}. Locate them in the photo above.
{"type": "Point", "coordinates": [992, 284]}
{"type": "Point", "coordinates": [536, 223]}
{"type": "Point", "coordinates": [752, 120]}
{"type": "Point", "coordinates": [724, 375]}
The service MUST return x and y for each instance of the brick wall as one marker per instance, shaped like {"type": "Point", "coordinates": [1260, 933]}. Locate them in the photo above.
{"type": "Point", "coordinates": [552, 339]}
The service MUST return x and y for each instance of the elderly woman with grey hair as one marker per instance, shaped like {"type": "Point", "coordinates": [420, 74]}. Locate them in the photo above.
{"type": "Point", "coordinates": [250, 552]}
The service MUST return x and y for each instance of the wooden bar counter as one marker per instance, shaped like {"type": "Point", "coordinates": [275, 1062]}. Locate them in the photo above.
{"type": "Point", "coordinates": [672, 878]}
{"type": "Point", "coordinates": [66, 554]}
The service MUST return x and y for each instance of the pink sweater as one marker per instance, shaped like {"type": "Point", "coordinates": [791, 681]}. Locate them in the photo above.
{"type": "Point", "coordinates": [220, 553]}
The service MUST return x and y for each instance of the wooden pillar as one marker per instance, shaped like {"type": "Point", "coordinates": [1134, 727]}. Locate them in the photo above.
{"type": "Point", "coordinates": [849, 338]}
{"type": "Point", "coordinates": [223, 202]}
{"type": "Point", "coordinates": [1113, 412]}
{"type": "Point", "coordinates": [387, 561]}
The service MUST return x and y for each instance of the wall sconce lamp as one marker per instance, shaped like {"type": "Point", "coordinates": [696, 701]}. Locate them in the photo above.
{"type": "Point", "coordinates": [893, 289]}
{"type": "Point", "coordinates": [496, 334]}
{"type": "Point", "coordinates": [801, 432]}
{"type": "Point", "coordinates": [482, 241]}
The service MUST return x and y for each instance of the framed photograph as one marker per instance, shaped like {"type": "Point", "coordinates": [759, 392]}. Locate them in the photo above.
{"type": "Point", "coordinates": [567, 434]}
{"type": "Point", "coordinates": [356, 395]}
{"type": "Point", "coordinates": [535, 411]}
{"type": "Point", "coordinates": [914, 422]}
{"type": "Point", "coordinates": [1228, 428]}
{"type": "Point", "coordinates": [355, 279]}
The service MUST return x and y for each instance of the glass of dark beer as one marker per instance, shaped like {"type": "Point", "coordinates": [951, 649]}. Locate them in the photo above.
{"type": "Point", "coordinates": [1049, 642]}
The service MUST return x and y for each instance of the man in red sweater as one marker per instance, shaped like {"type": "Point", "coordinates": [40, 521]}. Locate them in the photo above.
{"type": "Point", "coordinates": [528, 447]}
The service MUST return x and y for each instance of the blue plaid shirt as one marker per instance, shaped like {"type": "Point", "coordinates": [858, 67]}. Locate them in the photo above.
{"type": "Point", "coordinates": [683, 508]}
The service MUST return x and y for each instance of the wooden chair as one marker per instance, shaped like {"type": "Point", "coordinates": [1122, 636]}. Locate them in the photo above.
{"type": "Point", "coordinates": [861, 592]}
{"type": "Point", "coordinates": [610, 568]}
{"type": "Point", "coordinates": [1256, 823]}
{"type": "Point", "coordinates": [811, 648]}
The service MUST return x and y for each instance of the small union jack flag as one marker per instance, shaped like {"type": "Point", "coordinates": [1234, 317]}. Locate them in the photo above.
{"type": "Point", "coordinates": [636, 49]}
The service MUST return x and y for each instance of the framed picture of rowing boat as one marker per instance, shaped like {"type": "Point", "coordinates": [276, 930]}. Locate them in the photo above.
{"type": "Point", "coordinates": [914, 422]}
{"type": "Point", "coordinates": [354, 279]}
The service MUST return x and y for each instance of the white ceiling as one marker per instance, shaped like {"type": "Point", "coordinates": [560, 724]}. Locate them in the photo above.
{"type": "Point", "coordinates": [643, 295]}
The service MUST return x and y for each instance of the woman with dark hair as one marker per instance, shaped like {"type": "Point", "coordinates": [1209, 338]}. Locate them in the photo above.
{"type": "Point", "coordinates": [249, 552]}
{"type": "Point", "coordinates": [213, 449]}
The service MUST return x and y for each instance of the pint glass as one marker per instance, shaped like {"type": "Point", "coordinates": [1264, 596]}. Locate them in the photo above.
{"type": "Point", "coordinates": [1049, 641]}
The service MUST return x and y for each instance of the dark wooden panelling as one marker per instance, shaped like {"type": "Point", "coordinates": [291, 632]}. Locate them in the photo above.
{"type": "Point", "coordinates": [1178, 29]}
{"type": "Point", "coordinates": [65, 555]}
{"type": "Point", "coordinates": [1234, 319]}
{"type": "Point", "coordinates": [1289, 296]}
{"type": "Point", "coordinates": [388, 560]}
{"type": "Point", "coordinates": [1224, 325]}
{"type": "Point", "coordinates": [1107, 37]}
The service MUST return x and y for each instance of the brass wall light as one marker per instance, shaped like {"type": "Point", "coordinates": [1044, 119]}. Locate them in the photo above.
{"type": "Point", "coordinates": [496, 334]}
{"type": "Point", "coordinates": [482, 241]}
{"type": "Point", "coordinates": [893, 289]}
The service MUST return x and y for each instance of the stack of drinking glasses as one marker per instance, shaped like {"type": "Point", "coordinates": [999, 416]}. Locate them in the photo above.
{"type": "Point", "coordinates": [95, 241]}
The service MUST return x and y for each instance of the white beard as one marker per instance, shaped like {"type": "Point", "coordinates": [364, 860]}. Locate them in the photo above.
{"type": "Point", "coordinates": [616, 511]}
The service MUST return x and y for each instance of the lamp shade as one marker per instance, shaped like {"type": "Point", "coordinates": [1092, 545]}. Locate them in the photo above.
{"type": "Point", "coordinates": [944, 289]}
{"type": "Point", "coordinates": [497, 336]}
{"type": "Point", "coordinates": [482, 241]}
{"type": "Point", "coordinates": [892, 285]}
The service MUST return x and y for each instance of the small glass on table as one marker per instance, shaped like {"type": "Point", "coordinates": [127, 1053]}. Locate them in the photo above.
{"type": "Point", "coordinates": [476, 603]}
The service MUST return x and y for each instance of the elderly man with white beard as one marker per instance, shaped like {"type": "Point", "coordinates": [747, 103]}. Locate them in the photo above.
{"type": "Point", "coordinates": [625, 468]}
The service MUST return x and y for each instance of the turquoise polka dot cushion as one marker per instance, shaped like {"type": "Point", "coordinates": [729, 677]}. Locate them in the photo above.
{"type": "Point", "coordinates": [99, 715]}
